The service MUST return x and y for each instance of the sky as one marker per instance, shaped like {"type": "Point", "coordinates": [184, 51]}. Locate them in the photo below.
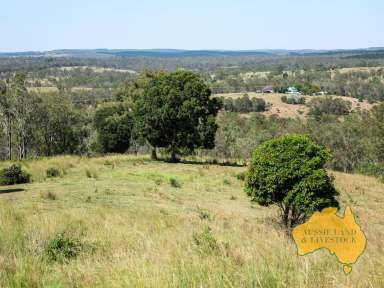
{"type": "Point", "coordinates": [42, 25]}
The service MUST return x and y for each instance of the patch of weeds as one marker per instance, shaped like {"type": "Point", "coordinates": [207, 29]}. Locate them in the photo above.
{"type": "Point", "coordinates": [233, 198]}
{"type": "Point", "coordinates": [88, 173]}
{"type": "Point", "coordinates": [204, 215]}
{"type": "Point", "coordinates": [91, 173]}
{"type": "Point", "coordinates": [53, 172]}
{"type": "Point", "coordinates": [108, 191]}
{"type": "Point", "coordinates": [158, 181]}
{"type": "Point", "coordinates": [62, 248]}
{"type": "Point", "coordinates": [350, 199]}
{"type": "Point", "coordinates": [49, 195]}
{"type": "Point", "coordinates": [174, 183]}
{"type": "Point", "coordinates": [206, 242]}
{"type": "Point", "coordinates": [268, 279]}
{"type": "Point", "coordinates": [240, 176]}
{"type": "Point", "coordinates": [89, 199]}
{"type": "Point", "coordinates": [110, 163]}
{"type": "Point", "coordinates": [226, 182]}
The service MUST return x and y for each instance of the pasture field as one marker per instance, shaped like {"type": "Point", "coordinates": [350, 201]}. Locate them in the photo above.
{"type": "Point", "coordinates": [285, 110]}
{"type": "Point", "coordinates": [132, 222]}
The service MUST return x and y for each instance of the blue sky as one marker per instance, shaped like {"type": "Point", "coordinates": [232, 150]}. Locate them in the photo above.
{"type": "Point", "coordinates": [191, 24]}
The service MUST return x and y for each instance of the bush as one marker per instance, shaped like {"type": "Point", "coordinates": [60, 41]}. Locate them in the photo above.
{"type": "Point", "coordinates": [240, 176]}
{"type": "Point", "coordinates": [53, 172]}
{"type": "Point", "coordinates": [91, 173]}
{"type": "Point", "coordinates": [244, 104]}
{"type": "Point", "coordinates": [294, 100]}
{"type": "Point", "coordinates": [289, 172]}
{"type": "Point", "coordinates": [49, 195]}
{"type": "Point", "coordinates": [174, 183]}
{"type": "Point", "coordinates": [372, 169]}
{"type": "Point", "coordinates": [258, 105]}
{"type": "Point", "coordinates": [63, 248]}
{"type": "Point", "coordinates": [206, 242]}
{"type": "Point", "coordinates": [14, 175]}
{"type": "Point", "coordinates": [330, 106]}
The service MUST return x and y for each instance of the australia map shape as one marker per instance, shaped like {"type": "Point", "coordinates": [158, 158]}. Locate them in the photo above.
{"type": "Point", "coordinates": [341, 236]}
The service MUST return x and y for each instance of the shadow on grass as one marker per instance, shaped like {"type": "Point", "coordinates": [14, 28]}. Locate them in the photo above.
{"type": "Point", "coordinates": [195, 162]}
{"type": "Point", "coordinates": [6, 191]}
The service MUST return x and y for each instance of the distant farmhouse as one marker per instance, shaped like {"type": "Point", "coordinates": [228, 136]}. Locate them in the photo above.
{"type": "Point", "coordinates": [292, 90]}
{"type": "Point", "coordinates": [267, 89]}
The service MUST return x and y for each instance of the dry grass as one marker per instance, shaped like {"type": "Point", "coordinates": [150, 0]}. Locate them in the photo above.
{"type": "Point", "coordinates": [97, 69]}
{"type": "Point", "coordinates": [359, 69]}
{"type": "Point", "coordinates": [47, 89]}
{"type": "Point", "coordinates": [137, 230]}
{"type": "Point", "coordinates": [293, 111]}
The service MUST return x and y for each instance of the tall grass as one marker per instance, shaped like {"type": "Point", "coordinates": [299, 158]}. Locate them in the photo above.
{"type": "Point", "coordinates": [145, 233]}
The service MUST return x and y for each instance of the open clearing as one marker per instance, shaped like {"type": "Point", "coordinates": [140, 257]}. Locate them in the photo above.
{"type": "Point", "coordinates": [140, 228]}
{"type": "Point", "coordinates": [292, 111]}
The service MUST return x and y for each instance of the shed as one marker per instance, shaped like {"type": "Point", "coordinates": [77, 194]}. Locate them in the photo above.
{"type": "Point", "coordinates": [267, 89]}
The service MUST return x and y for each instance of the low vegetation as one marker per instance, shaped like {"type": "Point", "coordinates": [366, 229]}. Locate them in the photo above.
{"type": "Point", "coordinates": [244, 104]}
{"type": "Point", "coordinates": [139, 232]}
{"type": "Point", "coordinates": [14, 175]}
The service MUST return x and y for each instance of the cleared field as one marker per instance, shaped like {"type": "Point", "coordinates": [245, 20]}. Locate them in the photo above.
{"type": "Point", "coordinates": [140, 228]}
{"type": "Point", "coordinates": [55, 89]}
{"type": "Point", "coordinates": [292, 111]}
{"type": "Point", "coordinates": [359, 69]}
{"type": "Point", "coordinates": [48, 89]}
{"type": "Point", "coordinates": [98, 69]}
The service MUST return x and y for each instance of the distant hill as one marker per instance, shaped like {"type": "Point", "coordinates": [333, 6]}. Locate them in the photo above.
{"type": "Point", "coordinates": [102, 53]}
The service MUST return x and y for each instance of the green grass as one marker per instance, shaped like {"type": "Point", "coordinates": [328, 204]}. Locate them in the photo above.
{"type": "Point", "coordinates": [124, 224]}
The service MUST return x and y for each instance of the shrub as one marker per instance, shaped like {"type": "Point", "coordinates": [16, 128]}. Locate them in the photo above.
{"type": "Point", "coordinates": [206, 242]}
{"type": "Point", "coordinates": [53, 172]}
{"type": "Point", "coordinates": [14, 175]}
{"type": "Point", "coordinates": [294, 100]}
{"type": "Point", "coordinates": [204, 215]}
{"type": "Point", "coordinates": [174, 183]}
{"type": "Point", "coordinates": [63, 248]}
{"type": "Point", "coordinates": [289, 172]}
{"type": "Point", "coordinates": [226, 182]}
{"type": "Point", "coordinates": [241, 176]}
{"type": "Point", "coordinates": [258, 105]}
{"type": "Point", "coordinates": [49, 195]}
{"type": "Point", "coordinates": [91, 173]}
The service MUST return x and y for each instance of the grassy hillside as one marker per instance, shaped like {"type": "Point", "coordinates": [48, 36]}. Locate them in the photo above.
{"type": "Point", "coordinates": [138, 223]}
{"type": "Point", "coordinates": [292, 111]}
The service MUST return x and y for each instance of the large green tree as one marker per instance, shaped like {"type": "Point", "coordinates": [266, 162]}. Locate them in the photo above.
{"type": "Point", "coordinates": [289, 172]}
{"type": "Point", "coordinates": [176, 111]}
{"type": "Point", "coordinates": [58, 127]}
{"type": "Point", "coordinates": [113, 123]}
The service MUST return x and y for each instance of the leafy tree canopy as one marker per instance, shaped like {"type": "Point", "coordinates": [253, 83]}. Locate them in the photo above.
{"type": "Point", "coordinates": [288, 171]}
{"type": "Point", "coordinates": [176, 111]}
{"type": "Point", "coordinates": [113, 122]}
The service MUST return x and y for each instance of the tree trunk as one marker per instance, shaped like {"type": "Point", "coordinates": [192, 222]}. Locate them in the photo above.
{"type": "Point", "coordinates": [173, 148]}
{"type": "Point", "coordinates": [173, 155]}
{"type": "Point", "coordinates": [284, 215]}
{"type": "Point", "coordinates": [9, 139]}
{"type": "Point", "coordinates": [154, 154]}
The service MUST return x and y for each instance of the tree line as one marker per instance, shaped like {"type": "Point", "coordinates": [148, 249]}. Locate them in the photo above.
{"type": "Point", "coordinates": [175, 113]}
